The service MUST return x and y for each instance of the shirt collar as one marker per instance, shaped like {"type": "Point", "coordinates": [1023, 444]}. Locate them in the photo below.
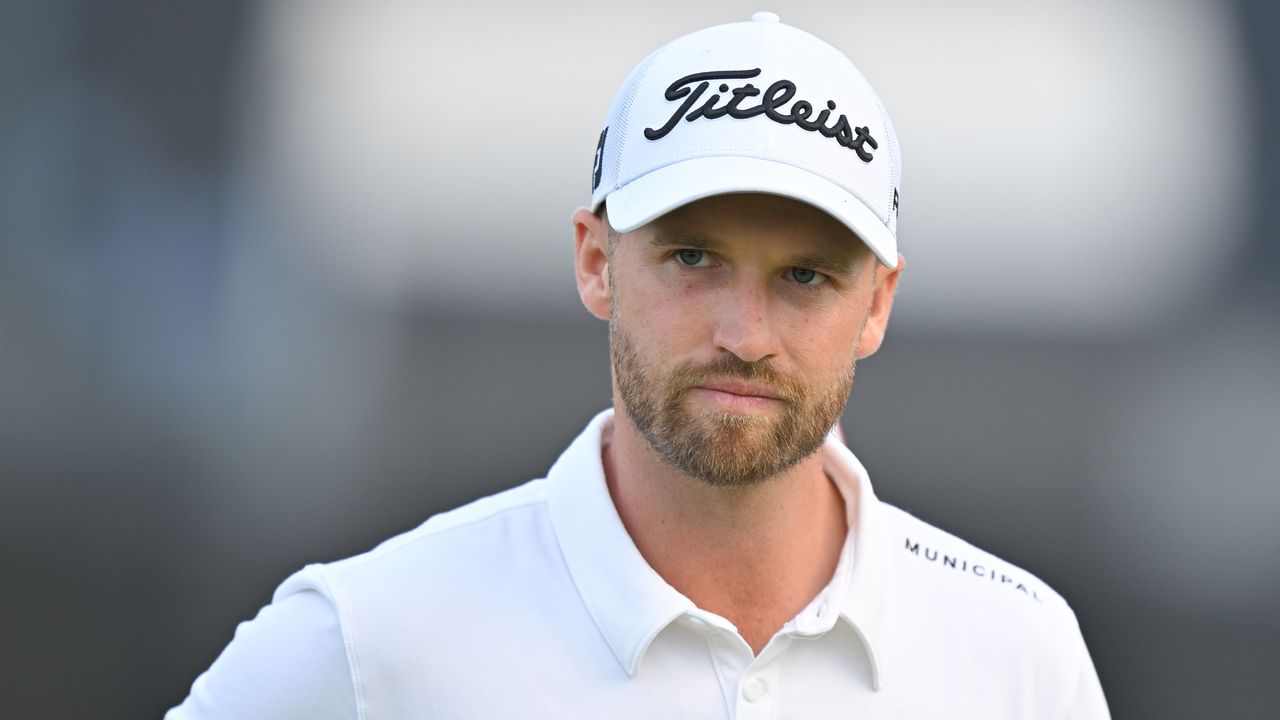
{"type": "Point", "coordinates": [628, 600]}
{"type": "Point", "coordinates": [631, 604]}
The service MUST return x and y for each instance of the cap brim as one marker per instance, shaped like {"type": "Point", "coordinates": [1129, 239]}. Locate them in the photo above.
{"type": "Point", "coordinates": [669, 187]}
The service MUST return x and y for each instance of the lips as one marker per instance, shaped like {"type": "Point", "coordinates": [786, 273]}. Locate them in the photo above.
{"type": "Point", "coordinates": [741, 389]}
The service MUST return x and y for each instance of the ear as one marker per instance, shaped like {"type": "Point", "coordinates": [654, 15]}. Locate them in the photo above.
{"type": "Point", "coordinates": [881, 304]}
{"type": "Point", "coordinates": [591, 261]}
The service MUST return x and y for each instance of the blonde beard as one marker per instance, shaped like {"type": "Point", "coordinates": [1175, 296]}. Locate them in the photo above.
{"type": "Point", "coordinates": [722, 448]}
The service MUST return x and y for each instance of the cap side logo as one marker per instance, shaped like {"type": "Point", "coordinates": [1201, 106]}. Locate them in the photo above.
{"type": "Point", "coordinates": [597, 167]}
{"type": "Point", "coordinates": [771, 100]}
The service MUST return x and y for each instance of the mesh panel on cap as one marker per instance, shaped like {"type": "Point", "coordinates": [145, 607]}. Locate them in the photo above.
{"type": "Point", "coordinates": [895, 167]}
{"type": "Point", "coordinates": [622, 122]}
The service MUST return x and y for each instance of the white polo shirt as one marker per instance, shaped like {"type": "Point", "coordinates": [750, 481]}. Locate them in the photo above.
{"type": "Point", "coordinates": [535, 603]}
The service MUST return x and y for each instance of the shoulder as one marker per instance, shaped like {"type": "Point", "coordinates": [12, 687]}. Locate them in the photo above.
{"type": "Point", "coordinates": [289, 661]}
{"type": "Point", "coordinates": [951, 588]}
{"type": "Point", "coordinates": [927, 554]}
{"type": "Point", "coordinates": [335, 631]}
{"type": "Point", "coordinates": [998, 624]}
{"type": "Point", "coordinates": [481, 537]}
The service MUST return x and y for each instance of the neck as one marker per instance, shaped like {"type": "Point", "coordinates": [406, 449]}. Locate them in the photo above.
{"type": "Point", "coordinates": [754, 555]}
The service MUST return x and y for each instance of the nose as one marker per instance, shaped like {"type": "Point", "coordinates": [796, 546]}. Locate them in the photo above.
{"type": "Point", "coordinates": [743, 325]}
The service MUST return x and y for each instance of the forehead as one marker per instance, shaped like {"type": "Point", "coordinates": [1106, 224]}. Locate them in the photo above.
{"type": "Point", "coordinates": [770, 220]}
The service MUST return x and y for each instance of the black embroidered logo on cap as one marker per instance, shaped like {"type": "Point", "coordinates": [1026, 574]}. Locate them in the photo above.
{"type": "Point", "coordinates": [773, 97]}
{"type": "Point", "coordinates": [597, 167]}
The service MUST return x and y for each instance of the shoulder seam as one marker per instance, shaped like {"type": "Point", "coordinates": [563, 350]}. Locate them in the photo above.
{"type": "Point", "coordinates": [348, 645]}
{"type": "Point", "coordinates": [423, 533]}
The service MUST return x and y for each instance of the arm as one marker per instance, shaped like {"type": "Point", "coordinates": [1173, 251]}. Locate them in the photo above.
{"type": "Point", "coordinates": [288, 662]}
{"type": "Point", "coordinates": [1088, 702]}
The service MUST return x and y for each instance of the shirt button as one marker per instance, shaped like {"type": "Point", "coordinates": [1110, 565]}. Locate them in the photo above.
{"type": "Point", "coordinates": [822, 610]}
{"type": "Point", "coordinates": [754, 689]}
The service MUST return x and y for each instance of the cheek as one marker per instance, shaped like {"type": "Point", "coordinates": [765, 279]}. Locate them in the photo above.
{"type": "Point", "coordinates": [672, 327]}
{"type": "Point", "coordinates": [824, 347]}
{"type": "Point", "coordinates": [672, 309]}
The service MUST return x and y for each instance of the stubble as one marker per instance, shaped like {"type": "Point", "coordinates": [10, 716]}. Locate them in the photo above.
{"type": "Point", "coordinates": [720, 447]}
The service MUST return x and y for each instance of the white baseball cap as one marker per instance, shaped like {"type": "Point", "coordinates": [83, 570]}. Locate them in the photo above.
{"type": "Point", "coordinates": [753, 106]}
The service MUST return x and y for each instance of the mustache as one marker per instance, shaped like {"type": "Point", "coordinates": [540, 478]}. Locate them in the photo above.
{"type": "Point", "coordinates": [732, 367]}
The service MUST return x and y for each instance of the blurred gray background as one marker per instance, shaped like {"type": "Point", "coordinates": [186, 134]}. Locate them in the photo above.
{"type": "Point", "coordinates": [281, 279]}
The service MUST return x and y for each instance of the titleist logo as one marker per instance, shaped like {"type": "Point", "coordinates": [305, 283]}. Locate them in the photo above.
{"type": "Point", "coordinates": [771, 99]}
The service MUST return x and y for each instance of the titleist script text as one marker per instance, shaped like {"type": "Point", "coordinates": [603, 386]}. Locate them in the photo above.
{"type": "Point", "coordinates": [771, 99]}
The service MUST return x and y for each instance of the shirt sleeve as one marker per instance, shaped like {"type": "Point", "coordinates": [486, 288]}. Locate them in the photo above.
{"type": "Point", "coordinates": [289, 662]}
{"type": "Point", "coordinates": [1088, 702]}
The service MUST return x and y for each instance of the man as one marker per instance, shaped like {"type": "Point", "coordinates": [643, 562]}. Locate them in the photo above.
{"type": "Point", "coordinates": [708, 548]}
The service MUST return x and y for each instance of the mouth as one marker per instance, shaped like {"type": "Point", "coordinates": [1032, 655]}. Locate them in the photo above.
{"type": "Point", "coordinates": [740, 389]}
{"type": "Point", "coordinates": [733, 395]}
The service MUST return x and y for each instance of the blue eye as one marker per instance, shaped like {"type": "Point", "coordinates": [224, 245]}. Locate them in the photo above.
{"type": "Point", "coordinates": [692, 258]}
{"type": "Point", "coordinates": [805, 276]}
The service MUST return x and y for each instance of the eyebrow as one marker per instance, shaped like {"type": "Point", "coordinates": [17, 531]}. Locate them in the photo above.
{"type": "Point", "coordinates": [837, 265]}
{"type": "Point", "coordinates": [685, 240]}
{"type": "Point", "coordinates": [827, 264]}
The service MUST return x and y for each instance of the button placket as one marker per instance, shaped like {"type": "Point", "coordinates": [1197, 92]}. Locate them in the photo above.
{"type": "Point", "coordinates": [758, 694]}
{"type": "Point", "coordinates": [730, 656]}
{"type": "Point", "coordinates": [754, 689]}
